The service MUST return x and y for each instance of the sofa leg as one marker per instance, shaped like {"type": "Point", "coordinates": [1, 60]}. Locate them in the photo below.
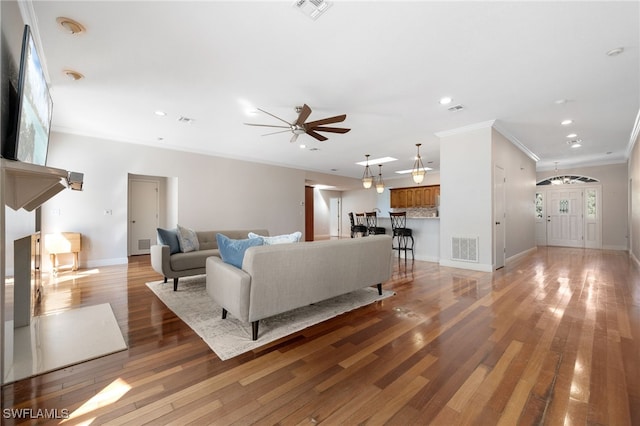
{"type": "Point", "coordinates": [175, 284]}
{"type": "Point", "coordinates": [380, 289]}
{"type": "Point", "coordinates": [254, 330]}
{"type": "Point", "coordinates": [224, 313]}
{"type": "Point", "coordinates": [165, 280]}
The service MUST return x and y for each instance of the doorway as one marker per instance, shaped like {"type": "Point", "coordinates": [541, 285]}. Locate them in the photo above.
{"type": "Point", "coordinates": [499, 215]}
{"type": "Point", "coordinates": [144, 214]}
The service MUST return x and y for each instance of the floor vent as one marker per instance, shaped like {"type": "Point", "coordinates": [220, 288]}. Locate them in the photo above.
{"type": "Point", "coordinates": [464, 249]}
{"type": "Point", "coordinates": [144, 244]}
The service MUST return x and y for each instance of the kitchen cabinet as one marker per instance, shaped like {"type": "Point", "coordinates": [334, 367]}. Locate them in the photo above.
{"type": "Point", "coordinates": [420, 196]}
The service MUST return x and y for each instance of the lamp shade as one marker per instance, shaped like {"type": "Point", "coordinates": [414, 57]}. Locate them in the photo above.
{"type": "Point", "coordinates": [418, 171]}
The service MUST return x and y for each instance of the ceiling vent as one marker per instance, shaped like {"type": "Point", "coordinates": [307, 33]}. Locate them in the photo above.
{"type": "Point", "coordinates": [186, 120]}
{"type": "Point", "coordinates": [456, 108]}
{"type": "Point", "coordinates": [312, 8]}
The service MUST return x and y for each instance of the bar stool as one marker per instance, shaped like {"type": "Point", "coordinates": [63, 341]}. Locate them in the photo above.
{"type": "Point", "coordinates": [356, 228]}
{"type": "Point", "coordinates": [401, 234]}
{"type": "Point", "coordinates": [372, 224]}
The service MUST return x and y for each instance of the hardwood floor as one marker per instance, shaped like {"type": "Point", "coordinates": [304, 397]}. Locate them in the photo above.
{"type": "Point", "coordinates": [552, 338]}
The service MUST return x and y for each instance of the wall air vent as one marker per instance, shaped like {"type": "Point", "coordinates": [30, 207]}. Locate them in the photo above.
{"type": "Point", "coordinates": [464, 249]}
{"type": "Point", "coordinates": [456, 108]}
{"type": "Point", "coordinates": [312, 8]}
{"type": "Point", "coordinates": [186, 120]}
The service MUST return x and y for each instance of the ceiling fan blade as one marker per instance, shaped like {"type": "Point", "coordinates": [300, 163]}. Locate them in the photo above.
{"type": "Point", "coordinates": [274, 116]}
{"type": "Point", "coordinates": [294, 137]}
{"type": "Point", "coordinates": [305, 112]}
{"type": "Point", "coordinates": [268, 125]}
{"type": "Point", "coordinates": [275, 133]}
{"type": "Point", "coordinates": [331, 129]}
{"type": "Point", "coordinates": [329, 120]}
{"type": "Point", "coordinates": [316, 135]}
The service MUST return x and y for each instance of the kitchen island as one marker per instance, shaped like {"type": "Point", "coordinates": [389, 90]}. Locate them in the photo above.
{"type": "Point", "coordinates": [426, 236]}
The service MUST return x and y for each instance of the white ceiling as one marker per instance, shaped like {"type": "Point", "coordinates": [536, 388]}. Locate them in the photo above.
{"type": "Point", "coordinates": [385, 64]}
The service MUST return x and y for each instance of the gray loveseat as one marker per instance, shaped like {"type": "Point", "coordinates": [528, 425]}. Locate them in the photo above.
{"type": "Point", "coordinates": [192, 263]}
{"type": "Point", "coordinates": [279, 278]}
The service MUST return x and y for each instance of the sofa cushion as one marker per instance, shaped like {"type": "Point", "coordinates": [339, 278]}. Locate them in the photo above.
{"type": "Point", "coordinates": [169, 237]}
{"type": "Point", "coordinates": [191, 261]}
{"type": "Point", "coordinates": [188, 239]}
{"type": "Point", "coordinates": [232, 251]}
{"type": "Point", "coordinates": [278, 239]}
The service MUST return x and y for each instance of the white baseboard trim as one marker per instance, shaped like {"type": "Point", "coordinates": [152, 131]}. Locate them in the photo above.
{"type": "Point", "coordinates": [482, 267]}
{"type": "Point", "coordinates": [614, 248]}
{"type": "Point", "coordinates": [104, 262]}
{"type": "Point", "coordinates": [519, 255]}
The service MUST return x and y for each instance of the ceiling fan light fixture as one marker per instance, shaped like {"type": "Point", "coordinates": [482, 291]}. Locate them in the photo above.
{"type": "Point", "coordinates": [367, 177]}
{"type": "Point", "coordinates": [418, 171]}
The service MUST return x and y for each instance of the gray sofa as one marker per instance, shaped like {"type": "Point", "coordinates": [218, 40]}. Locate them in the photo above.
{"type": "Point", "coordinates": [279, 278]}
{"type": "Point", "coordinates": [192, 263]}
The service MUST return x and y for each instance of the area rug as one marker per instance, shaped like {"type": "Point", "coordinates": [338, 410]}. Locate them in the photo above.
{"type": "Point", "coordinates": [62, 339]}
{"type": "Point", "coordinates": [231, 337]}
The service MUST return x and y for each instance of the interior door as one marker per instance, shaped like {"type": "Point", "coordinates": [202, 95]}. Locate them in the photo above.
{"type": "Point", "coordinates": [143, 215]}
{"type": "Point", "coordinates": [499, 213]}
{"type": "Point", "coordinates": [334, 217]}
{"type": "Point", "coordinates": [565, 222]}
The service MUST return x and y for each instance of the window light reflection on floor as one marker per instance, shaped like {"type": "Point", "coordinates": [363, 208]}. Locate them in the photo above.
{"type": "Point", "coordinates": [110, 394]}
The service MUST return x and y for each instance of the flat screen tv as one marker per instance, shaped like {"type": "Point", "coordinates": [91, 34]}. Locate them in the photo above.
{"type": "Point", "coordinates": [32, 108]}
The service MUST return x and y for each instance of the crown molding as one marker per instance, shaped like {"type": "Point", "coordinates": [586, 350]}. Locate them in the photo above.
{"type": "Point", "coordinates": [633, 138]}
{"type": "Point", "coordinates": [515, 141]}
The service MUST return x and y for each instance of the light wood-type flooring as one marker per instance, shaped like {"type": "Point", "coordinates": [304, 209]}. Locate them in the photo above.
{"type": "Point", "coordinates": [553, 338]}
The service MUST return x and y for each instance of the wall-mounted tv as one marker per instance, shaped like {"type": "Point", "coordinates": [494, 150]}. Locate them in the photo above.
{"type": "Point", "coordinates": [32, 109]}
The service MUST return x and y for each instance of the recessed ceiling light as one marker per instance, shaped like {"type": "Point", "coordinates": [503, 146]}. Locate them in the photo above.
{"type": "Point", "coordinates": [73, 75]}
{"type": "Point", "coordinates": [575, 143]}
{"type": "Point", "coordinates": [160, 113]}
{"type": "Point", "coordinates": [445, 101]}
{"type": "Point", "coordinates": [572, 135]}
{"type": "Point", "coordinates": [615, 52]}
{"type": "Point", "coordinates": [377, 161]}
{"type": "Point", "coordinates": [302, 146]}
{"type": "Point", "coordinates": [69, 25]}
{"type": "Point", "coordinates": [566, 122]}
{"type": "Point", "coordinates": [560, 101]}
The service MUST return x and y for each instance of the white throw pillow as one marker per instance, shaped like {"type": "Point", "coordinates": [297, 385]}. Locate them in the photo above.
{"type": "Point", "coordinates": [279, 239]}
{"type": "Point", "coordinates": [188, 239]}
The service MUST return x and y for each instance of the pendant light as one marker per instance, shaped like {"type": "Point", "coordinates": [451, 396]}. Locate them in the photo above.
{"type": "Point", "coordinates": [380, 183]}
{"type": "Point", "coordinates": [367, 177]}
{"type": "Point", "coordinates": [418, 168]}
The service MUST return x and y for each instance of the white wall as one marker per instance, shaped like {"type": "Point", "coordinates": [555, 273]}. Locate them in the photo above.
{"type": "Point", "coordinates": [467, 160]}
{"type": "Point", "coordinates": [615, 206]}
{"type": "Point", "coordinates": [520, 191]}
{"type": "Point", "coordinates": [212, 193]}
{"type": "Point", "coordinates": [322, 211]}
{"type": "Point", "coordinates": [465, 194]}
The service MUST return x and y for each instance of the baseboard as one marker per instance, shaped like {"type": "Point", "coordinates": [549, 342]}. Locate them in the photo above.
{"type": "Point", "coordinates": [470, 266]}
{"type": "Point", "coordinates": [635, 260]}
{"type": "Point", "coordinates": [624, 248]}
{"type": "Point", "coordinates": [521, 254]}
{"type": "Point", "coordinates": [104, 262]}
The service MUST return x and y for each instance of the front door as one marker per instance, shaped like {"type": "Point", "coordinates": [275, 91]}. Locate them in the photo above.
{"type": "Point", "coordinates": [565, 223]}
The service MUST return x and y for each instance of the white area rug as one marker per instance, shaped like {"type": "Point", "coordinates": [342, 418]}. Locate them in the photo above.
{"type": "Point", "coordinates": [230, 337]}
{"type": "Point", "coordinates": [61, 339]}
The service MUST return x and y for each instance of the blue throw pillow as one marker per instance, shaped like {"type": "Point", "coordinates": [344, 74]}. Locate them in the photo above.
{"type": "Point", "coordinates": [232, 251]}
{"type": "Point", "coordinates": [169, 237]}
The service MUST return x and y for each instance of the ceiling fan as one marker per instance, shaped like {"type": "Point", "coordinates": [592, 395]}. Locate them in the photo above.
{"type": "Point", "coordinates": [299, 126]}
